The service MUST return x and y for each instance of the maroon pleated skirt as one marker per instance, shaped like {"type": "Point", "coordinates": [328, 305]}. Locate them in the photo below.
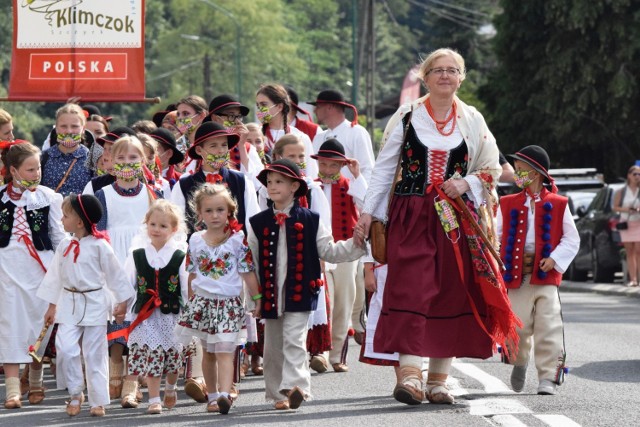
{"type": "Point", "coordinates": [426, 309]}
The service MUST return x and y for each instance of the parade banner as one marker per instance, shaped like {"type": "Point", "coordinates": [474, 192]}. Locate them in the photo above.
{"type": "Point", "coordinates": [93, 49]}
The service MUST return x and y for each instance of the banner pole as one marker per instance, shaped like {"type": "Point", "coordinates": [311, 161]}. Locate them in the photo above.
{"type": "Point", "coordinates": [155, 100]}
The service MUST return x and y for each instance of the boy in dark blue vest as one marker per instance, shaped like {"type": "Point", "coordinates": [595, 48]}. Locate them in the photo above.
{"type": "Point", "coordinates": [288, 242]}
{"type": "Point", "coordinates": [211, 146]}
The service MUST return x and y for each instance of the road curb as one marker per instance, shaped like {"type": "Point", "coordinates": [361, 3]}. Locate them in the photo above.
{"type": "Point", "coordinates": [600, 288]}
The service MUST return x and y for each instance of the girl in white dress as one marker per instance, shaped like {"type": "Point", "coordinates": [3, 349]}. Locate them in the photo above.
{"type": "Point", "coordinates": [153, 349]}
{"type": "Point", "coordinates": [218, 261]}
{"type": "Point", "coordinates": [125, 204]}
{"type": "Point", "coordinates": [30, 229]}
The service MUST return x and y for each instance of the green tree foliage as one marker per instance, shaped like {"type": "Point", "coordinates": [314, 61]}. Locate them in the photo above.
{"type": "Point", "coordinates": [568, 81]}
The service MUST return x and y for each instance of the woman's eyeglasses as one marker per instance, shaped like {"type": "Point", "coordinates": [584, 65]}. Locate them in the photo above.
{"type": "Point", "coordinates": [440, 71]}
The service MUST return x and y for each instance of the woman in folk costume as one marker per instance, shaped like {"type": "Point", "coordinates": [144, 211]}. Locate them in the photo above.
{"type": "Point", "coordinates": [30, 229]}
{"type": "Point", "coordinates": [273, 106]}
{"type": "Point", "coordinates": [444, 297]}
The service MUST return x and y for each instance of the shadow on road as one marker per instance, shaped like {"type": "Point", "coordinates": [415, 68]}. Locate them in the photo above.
{"type": "Point", "coordinates": [622, 371]}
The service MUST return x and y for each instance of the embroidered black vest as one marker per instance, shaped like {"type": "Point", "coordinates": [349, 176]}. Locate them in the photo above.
{"type": "Point", "coordinates": [165, 281]}
{"type": "Point", "coordinates": [415, 164]}
{"type": "Point", "coordinates": [38, 221]}
{"type": "Point", "coordinates": [102, 181]}
{"type": "Point", "coordinates": [232, 179]}
{"type": "Point", "coordinates": [303, 281]}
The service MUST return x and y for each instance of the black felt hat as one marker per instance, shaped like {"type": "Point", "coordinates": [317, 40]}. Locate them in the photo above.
{"type": "Point", "coordinates": [332, 96]}
{"type": "Point", "coordinates": [293, 96]}
{"type": "Point", "coordinates": [536, 157]}
{"type": "Point", "coordinates": [159, 116]}
{"type": "Point", "coordinates": [331, 149]}
{"type": "Point", "coordinates": [222, 102]}
{"type": "Point", "coordinates": [166, 138]}
{"type": "Point", "coordinates": [210, 130]}
{"type": "Point", "coordinates": [116, 134]}
{"type": "Point", "coordinates": [287, 168]}
{"type": "Point", "coordinates": [88, 208]}
{"type": "Point", "coordinates": [90, 110]}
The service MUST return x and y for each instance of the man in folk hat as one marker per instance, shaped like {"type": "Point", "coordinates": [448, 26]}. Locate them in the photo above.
{"type": "Point", "coordinates": [168, 153]}
{"type": "Point", "coordinates": [288, 241]}
{"type": "Point", "coordinates": [330, 109]}
{"type": "Point", "coordinates": [229, 112]}
{"type": "Point", "coordinates": [306, 126]}
{"type": "Point", "coordinates": [538, 242]}
{"type": "Point", "coordinates": [346, 198]}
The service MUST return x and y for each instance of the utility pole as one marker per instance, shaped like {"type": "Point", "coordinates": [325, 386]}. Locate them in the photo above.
{"type": "Point", "coordinates": [371, 67]}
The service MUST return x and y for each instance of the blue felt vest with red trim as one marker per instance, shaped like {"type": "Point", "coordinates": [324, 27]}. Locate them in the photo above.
{"type": "Point", "coordinates": [232, 179]}
{"type": "Point", "coordinates": [549, 214]}
{"type": "Point", "coordinates": [38, 220]}
{"type": "Point", "coordinates": [303, 281]}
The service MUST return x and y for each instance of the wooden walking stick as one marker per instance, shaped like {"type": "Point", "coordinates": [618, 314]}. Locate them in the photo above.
{"type": "Point", "coordinates": [35, 350]}
{"type": "Point", "coordinates": [465, 210]}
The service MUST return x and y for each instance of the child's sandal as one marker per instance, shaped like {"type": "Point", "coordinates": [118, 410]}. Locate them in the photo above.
{"type": "Point", "coordinates": [36, 395]}
{"type": "Point", "coordinates": [170, 398]}
{"type": "Point", "coordinates": [213, 407]}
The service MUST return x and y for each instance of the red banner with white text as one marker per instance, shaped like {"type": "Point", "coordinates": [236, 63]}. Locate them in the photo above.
{"type": "Point", "coordinates": [86, 48]}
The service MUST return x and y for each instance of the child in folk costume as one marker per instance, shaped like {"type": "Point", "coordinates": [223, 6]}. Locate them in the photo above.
{"type": "Point", "coordinates": [64, 165]}
{"type": "Point", "coordinates": [291, 147]}
{"type": "Point", "coordinates": [125, 203]}
{"type": "Point", "coordinates": [170, 156]}
{"type": "Point", "coordinates": [106, 142]}
{"type": "Point", "coordinates": [256, 138]}
{"type": "Point", "coordinates": [211, 144]}
{"type": "Point", "coordinates": [218, 263]}
{"type": "Point", "coordinates": [538, 242]}
{"type": "Point", "coordinates": [375, 277]}
{"type": "Point", "coordinates": [346, 196]}
{"type": "Point", "coordinates": [84, 279]}
{"type": "Point", "coordinates": [30, 229]}
{"type": "Point", "coordinates": [289, 242]}
{"type": "Point", "coordinates": [156, 269]}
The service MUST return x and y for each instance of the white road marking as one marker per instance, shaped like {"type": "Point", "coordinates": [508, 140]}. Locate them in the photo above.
{"type": "Point", "coordinates": [557, 420]}
{"type": "Point", "coordinates": [490, 383]}
{"type": "Point", "coordinates": [488, 407]}
{"type": "Point", "coordinates": [506, 421]}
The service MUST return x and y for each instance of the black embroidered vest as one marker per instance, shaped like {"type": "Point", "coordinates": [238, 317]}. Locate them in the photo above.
{"type": "Point", "coordinates": [165, 281]}
{"type": "Point", "coordinates": [102, 181]}
{"type": "Point", "coordinates": [415, 164]}
{"type": "Point", "coordinates": [232, 179]}
{"type": "Point", "coordinates": [303, 281]}
{"type": "Point", "coordinates": [38, 221]}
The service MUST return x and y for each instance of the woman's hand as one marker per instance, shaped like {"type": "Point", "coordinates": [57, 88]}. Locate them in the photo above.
{"type": "Point", "coordinates": [370, 284]}
{"type": "Point", "coordinates": [455, 188]}
{"type": "Point", "coordinates": [119, 312]}
{"type": "Point", "coordinates": [362, 229]}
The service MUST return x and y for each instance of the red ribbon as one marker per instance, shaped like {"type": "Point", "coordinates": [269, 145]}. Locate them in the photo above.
{"type": "Point", "coordinates": [233, 225]}
{"type": "Point", "coordinates": [32, 250]}
{"type": "Point", "coordinates": [281, 217]}
{"type": "Point", "coordinates": [214, 178]}
{"type": "Point", "coordinates": [143, 315]}
{"type": "Point", "coordinates": [76, 249]}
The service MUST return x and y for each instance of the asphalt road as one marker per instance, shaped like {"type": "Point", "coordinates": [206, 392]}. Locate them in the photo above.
{"type": "Point", "coordinates": [602, 387]}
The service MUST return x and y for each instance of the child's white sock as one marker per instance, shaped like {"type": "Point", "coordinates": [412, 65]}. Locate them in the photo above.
{"type": "Point", "coordinates": [168, 386]}
{"type": "Point", "coordinates": [154, 400]}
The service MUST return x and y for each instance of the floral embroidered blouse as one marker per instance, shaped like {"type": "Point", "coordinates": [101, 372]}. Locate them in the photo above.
{"type": "Point", "coordinates": [218, 268]}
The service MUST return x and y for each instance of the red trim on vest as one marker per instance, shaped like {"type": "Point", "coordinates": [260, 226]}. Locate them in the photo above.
{"type": "Point", "coordinates": [344, 214]}
{"type": "Point", "coordinates": [517, 202]}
